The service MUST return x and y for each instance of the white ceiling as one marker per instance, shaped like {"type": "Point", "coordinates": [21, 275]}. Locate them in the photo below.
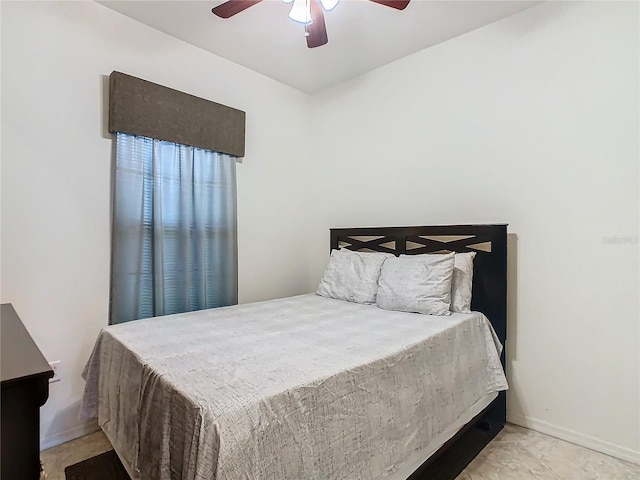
{"type": "Point", "coordinates": [362, 35]}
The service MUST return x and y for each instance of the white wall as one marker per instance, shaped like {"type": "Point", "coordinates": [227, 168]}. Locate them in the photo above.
{"type": "Point", "coordinates": [533, 121]}
{"type": "Point", "coordinates": [56, 171]}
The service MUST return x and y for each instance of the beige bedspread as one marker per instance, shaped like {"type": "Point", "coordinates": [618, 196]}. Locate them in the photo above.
{"type": "Point", "coordinates": [305, 387]}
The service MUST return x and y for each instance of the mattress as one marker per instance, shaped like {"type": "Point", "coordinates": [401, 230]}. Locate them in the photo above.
{"type": "Point", "coordinates": [300, 388]}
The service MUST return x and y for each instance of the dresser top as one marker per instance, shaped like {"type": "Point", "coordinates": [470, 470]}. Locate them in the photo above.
{"type": "Point", "coordinates": [20, 357]}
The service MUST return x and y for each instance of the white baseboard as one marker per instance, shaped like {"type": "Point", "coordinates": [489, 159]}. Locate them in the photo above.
{"type": "Point", "coordinates": [68, 435]}
{"type": "Point", "coordinates": [593, 443]}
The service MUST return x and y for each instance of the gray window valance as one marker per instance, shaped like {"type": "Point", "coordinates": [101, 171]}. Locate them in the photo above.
{"type": "Point", "coordinates": [140, 107]}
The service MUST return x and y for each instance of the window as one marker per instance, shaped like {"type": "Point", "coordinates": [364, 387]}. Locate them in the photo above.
{"type": "Point", "coordinates": [174, 229]}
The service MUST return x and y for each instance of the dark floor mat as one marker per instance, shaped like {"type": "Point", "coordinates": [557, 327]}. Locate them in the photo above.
{"type": "Point", "coordinates": [106, 466]}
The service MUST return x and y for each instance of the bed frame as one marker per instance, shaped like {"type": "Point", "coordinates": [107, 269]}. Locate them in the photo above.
{"type": "Point", "coordinates": [489, 297]}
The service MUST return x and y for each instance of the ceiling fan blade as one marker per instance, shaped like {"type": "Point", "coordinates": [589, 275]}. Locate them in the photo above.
{"type": "Point", "coordinates": [397, 4]}
{"type": "Point", "coordinates": [232, 7]}
{"type": "Point", "coordinates": [316, 31]}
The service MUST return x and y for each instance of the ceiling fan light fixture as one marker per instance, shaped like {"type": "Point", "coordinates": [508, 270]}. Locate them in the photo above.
{"type": "Point", "coordinates": [329, 4]}
{"type": "Point", "coordinates": [308, 12]}
{"type": "Point", "coordinates": [301, 11]}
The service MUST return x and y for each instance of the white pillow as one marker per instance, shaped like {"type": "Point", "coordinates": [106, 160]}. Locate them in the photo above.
{"type": "Point", "coordinates": [416, 283]}
{"type": "Point", "coordinates": [462, 282]}
{"type": "Point", "coordinates": [352, 276]}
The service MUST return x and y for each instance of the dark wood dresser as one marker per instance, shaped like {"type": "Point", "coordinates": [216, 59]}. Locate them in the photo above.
{"type": "Point", "coordinates": [25, 388]}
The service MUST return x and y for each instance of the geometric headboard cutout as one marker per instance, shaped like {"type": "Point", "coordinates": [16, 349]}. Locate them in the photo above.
{"type": "Point", "coordinates": [446, 238]}
{"type": "Point", "coordinates": [483, 247]}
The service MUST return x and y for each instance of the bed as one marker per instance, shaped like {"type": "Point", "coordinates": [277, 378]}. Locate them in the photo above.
{"type": "Point", "coordinates": [310, 387]}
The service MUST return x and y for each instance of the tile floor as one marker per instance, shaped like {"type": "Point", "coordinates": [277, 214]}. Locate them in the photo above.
{"type": "Point", "coordinates": [516, 454]}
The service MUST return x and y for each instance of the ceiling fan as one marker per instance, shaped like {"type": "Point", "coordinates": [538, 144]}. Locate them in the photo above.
{"type": "Point", "coordinates": [308, 12]}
